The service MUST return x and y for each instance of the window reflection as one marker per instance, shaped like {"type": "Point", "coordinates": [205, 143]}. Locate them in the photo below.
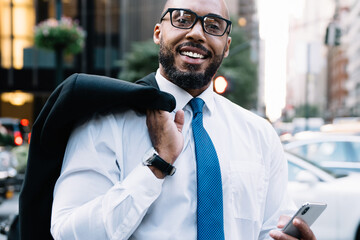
{"type": "Point", "coordinates": [324, 151]}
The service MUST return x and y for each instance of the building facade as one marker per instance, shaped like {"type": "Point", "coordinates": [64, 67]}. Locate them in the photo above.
{"type": "Point", "coordinates": [351, 43]}
{"type": "Point", "coordinates": [336, 82]}
{"type": "Point", "coordinates": [344, 62]}
{"type": "Point", "coordinates": [306, 61]}
{"type": "Point", "coordinates": [28, 74]}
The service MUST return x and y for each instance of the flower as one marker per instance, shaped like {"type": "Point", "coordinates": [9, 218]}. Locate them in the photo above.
{"type": "Point", "coordinates": [65, 34]}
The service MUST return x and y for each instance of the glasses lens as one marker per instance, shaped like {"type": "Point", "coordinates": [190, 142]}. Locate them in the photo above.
{"type": "Point", "coordinates": [182, 18]}
{"type": "Point", "coordinates": [215, 25]}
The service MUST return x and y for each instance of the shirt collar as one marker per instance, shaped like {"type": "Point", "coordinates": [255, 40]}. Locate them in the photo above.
{"type": "Point", "coordinates": [182, 97]}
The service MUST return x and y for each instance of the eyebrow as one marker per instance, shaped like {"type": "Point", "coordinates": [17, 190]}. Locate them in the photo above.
{"type": "Point", "coordinates": [208, 14]}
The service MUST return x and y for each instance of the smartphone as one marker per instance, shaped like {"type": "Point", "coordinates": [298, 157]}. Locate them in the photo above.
{"type": "Point", "coordinates": [308, 212]}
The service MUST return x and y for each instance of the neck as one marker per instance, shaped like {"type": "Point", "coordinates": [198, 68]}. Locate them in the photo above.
{"type": "Point", "coordinates": [197, 92]}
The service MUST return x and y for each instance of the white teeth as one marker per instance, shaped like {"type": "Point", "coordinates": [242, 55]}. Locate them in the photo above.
{"type": "Point", "coordinates": [192, 54]}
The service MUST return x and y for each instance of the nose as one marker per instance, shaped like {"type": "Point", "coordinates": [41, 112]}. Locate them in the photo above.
{"type": "Point", "coordinates": [196, 33]}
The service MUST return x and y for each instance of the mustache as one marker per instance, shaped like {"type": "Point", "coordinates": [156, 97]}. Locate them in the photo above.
{"type": "Point", "coordinates": [195, 45]}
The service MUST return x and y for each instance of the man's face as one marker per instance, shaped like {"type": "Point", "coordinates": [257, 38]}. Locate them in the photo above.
{"type": "Point", "coordinates": [191, 57]}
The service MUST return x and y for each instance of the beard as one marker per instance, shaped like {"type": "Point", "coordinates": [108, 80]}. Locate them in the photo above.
{"type": "Point", "coordinates": [190, 79]}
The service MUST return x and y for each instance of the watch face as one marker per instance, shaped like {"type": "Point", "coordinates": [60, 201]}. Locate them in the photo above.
{"type": "Point", "coordinates": [173, 170]}
{"type": "Point", "coordinates": [148, 161]}
{"type": "Point", "coordinates": [149, 157]}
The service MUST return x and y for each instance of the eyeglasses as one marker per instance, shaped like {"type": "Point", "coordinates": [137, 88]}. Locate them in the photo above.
{"type": "Point", "coordinates": [186, 19]}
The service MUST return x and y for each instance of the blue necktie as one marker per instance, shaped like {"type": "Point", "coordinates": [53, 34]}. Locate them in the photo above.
{"type": "Point", "coordinates": [210, 223]}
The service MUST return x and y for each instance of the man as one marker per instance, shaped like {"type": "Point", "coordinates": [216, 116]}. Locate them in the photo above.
{"type": "Point", "coordinates": [109, 188]}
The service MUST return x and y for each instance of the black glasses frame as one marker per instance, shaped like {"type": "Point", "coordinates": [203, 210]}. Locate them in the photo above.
{"type": "Point", "coordinates": [197, 17]}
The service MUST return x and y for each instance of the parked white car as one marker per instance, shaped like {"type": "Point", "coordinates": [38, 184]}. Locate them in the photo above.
{"type": "Point", "coordinates": [311, 183]}
{"type": "Point", "coordinates": [336, 152]}
{"type": "Point", "coordinates": [8, 173]}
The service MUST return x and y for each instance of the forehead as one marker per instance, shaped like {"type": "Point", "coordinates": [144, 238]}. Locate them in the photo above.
{"type": "Point", "coordinates": [201, 7]}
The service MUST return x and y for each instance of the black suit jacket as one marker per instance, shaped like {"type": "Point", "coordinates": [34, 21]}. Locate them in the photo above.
{"type": "Point", "coordinates": [76, 99]}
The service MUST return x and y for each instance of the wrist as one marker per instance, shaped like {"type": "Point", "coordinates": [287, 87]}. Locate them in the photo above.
{"type": "Point", "coordinates": [158, 166]}
{"type": "Point", "coordinates": [159, 174]}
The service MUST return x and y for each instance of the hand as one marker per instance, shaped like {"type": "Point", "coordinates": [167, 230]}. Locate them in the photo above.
{"type": "Point", "coordinates": [165, 134]}
{"type": "Point", "coordinates": [304, 229]}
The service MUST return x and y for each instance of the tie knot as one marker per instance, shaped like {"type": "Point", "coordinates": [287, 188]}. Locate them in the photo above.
{"type": "Point", "coordinates": [197, 105]}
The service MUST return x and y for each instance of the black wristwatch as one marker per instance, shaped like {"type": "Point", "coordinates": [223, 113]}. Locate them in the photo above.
{"type": "Point", "coordinates": [152, 158]}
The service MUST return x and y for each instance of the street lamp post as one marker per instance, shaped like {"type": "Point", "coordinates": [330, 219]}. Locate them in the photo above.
{"type": "Point", "coordinates": [59, 51]}
{"type": "Point", "coordinates": [123, 30]}
{"type": "Point", "coordinates": [58, 9]}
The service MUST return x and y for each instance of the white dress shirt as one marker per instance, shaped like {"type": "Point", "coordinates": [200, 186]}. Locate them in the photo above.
{"type": "Point", "coordinates": [105, 192]}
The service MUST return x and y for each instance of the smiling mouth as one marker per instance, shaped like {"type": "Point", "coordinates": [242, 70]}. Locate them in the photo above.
{"type": "Point", "coordinates": [192, 55]}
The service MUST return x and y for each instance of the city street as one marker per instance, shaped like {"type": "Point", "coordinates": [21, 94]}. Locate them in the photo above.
{"type": "Point", "coordinates": [7, 208]}
{"type": "Point", "coordinates": [280, 75]}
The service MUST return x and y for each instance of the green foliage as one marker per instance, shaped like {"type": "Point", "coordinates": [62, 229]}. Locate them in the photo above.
{"type": "Point", "coordinates": [237, 67]}
{"type": "Point", "coordinates": [240, 71]}
{"type": "Point", "coordinates": [6, 139]}
{"type": "Point", "coordinates": [307, 111]}
{"type": "Point", "coordinates": [64, 34]}
{"type": "Point", "coordinates": [142, 60]}
{"type": "Point", "coordinates": [21, 153]}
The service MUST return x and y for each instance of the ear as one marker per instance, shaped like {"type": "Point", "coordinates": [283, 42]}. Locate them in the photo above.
{"type": "Point", "coordinates": [227, 47]}
{"type": "Point", "coordinates": [157, 33]}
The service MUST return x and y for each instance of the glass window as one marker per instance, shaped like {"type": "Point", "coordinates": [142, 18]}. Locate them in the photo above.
{"type": "Point", "coordinates": [356, 147]}
{"type": "Point", "coordinates": [324, 151]}
{"type": "Point", "coordinates": [17, 23]}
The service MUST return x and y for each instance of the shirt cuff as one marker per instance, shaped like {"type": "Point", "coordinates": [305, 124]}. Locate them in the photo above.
{"type": "Point", "coordinates": [143, 180]}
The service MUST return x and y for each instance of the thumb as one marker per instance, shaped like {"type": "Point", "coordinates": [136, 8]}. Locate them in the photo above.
{"type": "Point", "coordinates": [179, 120]}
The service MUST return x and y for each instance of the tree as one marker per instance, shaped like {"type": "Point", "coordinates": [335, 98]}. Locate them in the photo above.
{"type": "Point", "coordinates": [237, 67]}
{"type": "Point", "coordinates": [240, 71]}
{"type": "Point", "coordinates": [307, 111]}
{"type": "Point", "coordinates": [140, 61]}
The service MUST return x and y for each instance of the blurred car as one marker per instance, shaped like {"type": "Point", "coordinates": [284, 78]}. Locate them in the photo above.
{"type": "Point", "coordinates": [8, 173]}
{"type": "Point", "coordinates": [14, 131]}
{"type": "Point", "coordinates": [334, 151]}
{"type": "Point", "coordinates": [306, 124]}
{"type": "Point", "coordinates": [342, 126]}
{"type": "Point", "coordinates": [311, 183]}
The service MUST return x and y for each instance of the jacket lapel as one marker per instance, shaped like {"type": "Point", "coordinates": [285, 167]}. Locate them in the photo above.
{"type": "Point", "coordinates": [148, 80]}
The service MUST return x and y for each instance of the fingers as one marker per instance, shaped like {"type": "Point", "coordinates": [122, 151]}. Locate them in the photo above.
{"type": "Point", "coordinates": [153, 116]}
{"type": "Point", "coordinates": [283, 220]}
{"type": "Point", "coordinates": [278, 235]}
{"type": "Point", "coordinates": [305, 230]}
{"type": "Point", "coordinates": [165, 133]}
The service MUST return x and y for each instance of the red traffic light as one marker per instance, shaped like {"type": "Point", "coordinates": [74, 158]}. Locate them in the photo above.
{"type": "Point", "coordinates": [24, 122]}
{"type": "Point", "coordinates": [220, 84]}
